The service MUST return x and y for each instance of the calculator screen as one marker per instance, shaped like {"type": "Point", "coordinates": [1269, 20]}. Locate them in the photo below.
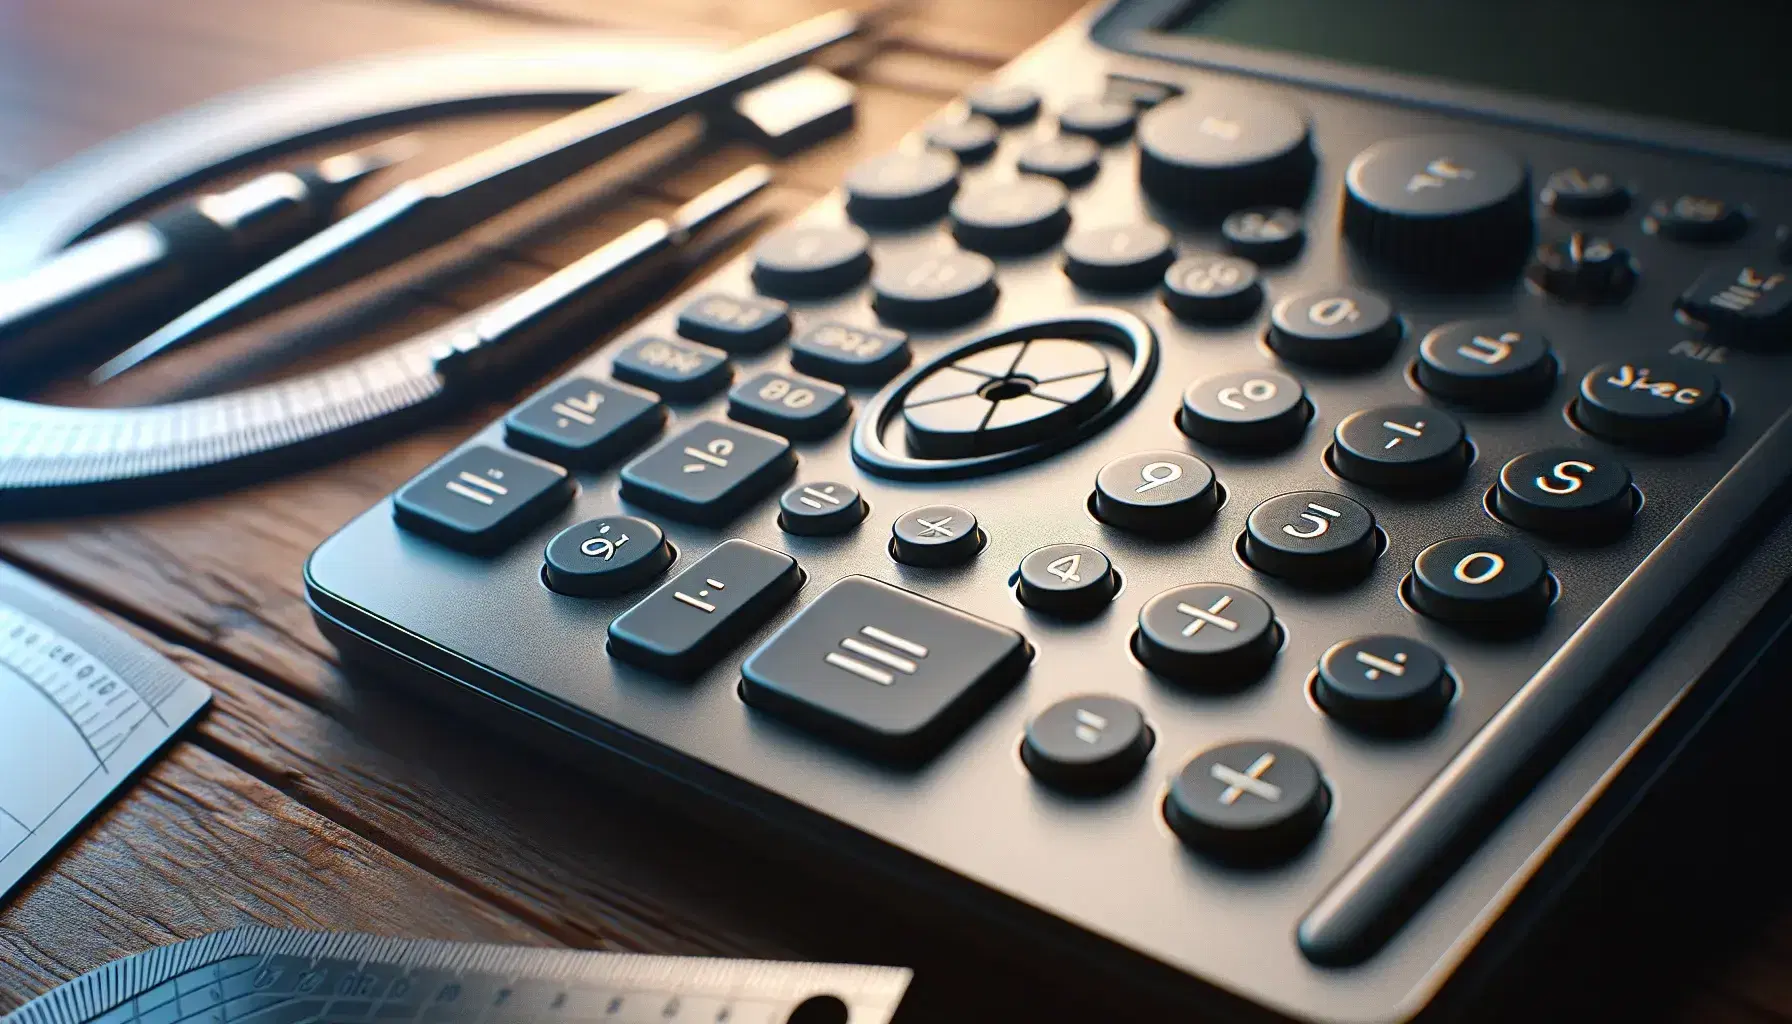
{"type": "Point", "coordinates": [1723, 63]}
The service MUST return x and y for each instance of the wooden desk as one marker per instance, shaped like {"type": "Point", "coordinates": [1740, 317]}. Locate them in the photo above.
{"type": "Point", "coordinates": [304, 801]}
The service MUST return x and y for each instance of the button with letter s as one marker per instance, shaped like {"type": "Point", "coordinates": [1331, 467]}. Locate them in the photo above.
{"type": "Point", "coordinates": [1569, 493]}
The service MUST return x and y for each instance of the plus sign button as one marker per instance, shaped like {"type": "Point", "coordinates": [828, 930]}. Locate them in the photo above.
{"type": "Point", "coordinates": [1251, 802]}
{"type": "Point", "coordinates": [1209, 635]}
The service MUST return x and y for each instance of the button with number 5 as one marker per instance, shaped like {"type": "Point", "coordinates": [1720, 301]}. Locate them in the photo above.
{"type": "Point", "coordinates": [1073, 581]}
{"type": "Point", "coordinates": [1572, 493]}
{"type": "Point", "coordinates": [1484, 581]}
{"type": "Point", "coordinates": [789, 404]}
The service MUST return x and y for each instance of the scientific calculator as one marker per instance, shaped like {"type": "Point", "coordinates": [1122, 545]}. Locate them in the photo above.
{"type": "Point", "coordinates": [1235, 501]}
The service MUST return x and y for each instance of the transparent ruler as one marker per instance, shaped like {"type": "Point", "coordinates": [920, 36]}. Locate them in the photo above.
{"type": "Point", "coordinates": [268, 976]}
{"type": "Point", "coordinates": [82, 707]}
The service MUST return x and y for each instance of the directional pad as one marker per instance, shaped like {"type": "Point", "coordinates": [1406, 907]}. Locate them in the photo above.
{"type": "Point", "coordinates": [883, 669]}
{"type": "Point", "coordinates": [1007, 397]}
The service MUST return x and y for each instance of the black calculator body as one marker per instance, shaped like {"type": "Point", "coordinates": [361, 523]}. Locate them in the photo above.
{"type": "Point", "coordinates": [1238, 519]}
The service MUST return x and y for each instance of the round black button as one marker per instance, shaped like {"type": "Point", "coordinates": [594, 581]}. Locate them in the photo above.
{"type": "Point", "coordinates": [1401, 448]}
{"type": "Point", "coordinates": [1342, 327]}
{"type": "Point", "coordinates": [1573, 192]}
{"type": "Point", "coordinates": [1073, 581]}
{"type": "Point", "coordinates": [1486, 363]}
{"type": "Point", "coordinates": [1119, 258]}
{"type": "Point", "coordinates": [1679, 406]}
{"type": "Point", "coordinates": [1480, 581]}
{"type": "Point", "coordinates": [1566, 492]}
{"type": "Point", "coordinates": [1584, 268]}
{"type": "Point", "coordinates": [1004, 104]}
{"type": "Point", "coordinates": [972, 140]}
{"type": "Point", "coordinates": [821, 509]}
{"type": "Point", "coordinates": [1699, 219]}
{"type": "Point", "coordinates": [1072, 159]}
{"type": "Point", "coordinates": [1312, 537]}
{"type": "Point", "coordinates": [935, 535]}
{"type": "Point", "coordinates": [1206, 288]}
{"type": "Point", "coordinates": [1444, 207]}
{"type": "Point", "coordinates": [901, 188]}
{"type": "Point", "coordinates": [1210, 635]}
{"type": "Point", "coordinates": [1024, 215]}
{"type": "Point", "coordinates": [1167, 494]}
{"type": "Point", "coordinates": [605, 556]}
{"type": "Point", "coordinates": [1087, 744]}
{"type": "Point", "coordinates": [1254, 802]}
{"type": "Point", "coordinates": [1266, 235]}
{"type": "Point", "coordinates": [1249, 410]}
{"type": "Point", "coordinates": [1104, 120]}
{"type": "Point", "coordinates": [1218, 150]}
{"type": "Point", "coordinates": [1384, 684]}
{"type": "Point", "coordinates": [804, 261]}
{"type": "Point", "coordinates": [942, 289]}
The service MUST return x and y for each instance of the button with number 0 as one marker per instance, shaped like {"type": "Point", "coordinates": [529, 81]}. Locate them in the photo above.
{"type": "Point", "coordinates": [789, 404]}
{"type": "Point", "coordinates": [1069, 580]}
{"type": "Point", "coordinates": [1481, 581]}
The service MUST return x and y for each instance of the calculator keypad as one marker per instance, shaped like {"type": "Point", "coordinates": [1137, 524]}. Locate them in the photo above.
{"type": "Point", "coordinates": [1350, 515]}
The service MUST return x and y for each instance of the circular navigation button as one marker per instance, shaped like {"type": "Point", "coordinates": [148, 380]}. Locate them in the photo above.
{"type": "Point", "coordinates": [934, 536]}
{"type": "Point", "coordinates": [901, 188]}
{"type": "Point", "coordinates": [1218, 150]}
{"type": "Point", "coordinates": [1401, 448]}
{"type": "Point", "coordinates": [942, 289]}
{"type": "Point", "coordinates": [1444, 207]}
{"type": "Point", "coordinates": [1266, 235]}
{"type": "Point", "coordinates": [1480, 581]}
{"type": "Point", "coordinates": [1004, 104]}
{"type": "Point", "coordinates": [1348, 328]}
{"type": "Point", "coordinates": [1486, 363]}
{"type": "Point", "coordinates": [1087, 744]}
{"type": "Point", "coordinates": [1248, 410]}
{"type": "Point", "coordinates": [1073, 581]}
{"type": "Point", "coordinates": [1583, 268]}
{"type": "Point", "coordinates": [605, 556]}
{"type": "Point", "coordinates": [1384, 684]}
{"type": "Point", "coordinates": [1574, 192]}
{"type": "Point", "coordinates": [1566, 492]}
{"type": "Point", "coordinates": [821, 509]}
{"type": "Point", "coordinates": [1697, 219]}
{"type": "Point", "coordinates": [1163, 493]}
{"type": "Point", "coordinates": [1007, 397]}
{"type": "Point", "coordinates": [1019, 216]}
{"type": "Point", "coordinates": [1072, 159]}
{"type": "Point", "coordinates": [1679, 406]}
{"type": "Point", "coordinates": [804, 261]}
{"type": "Point", "coordinates": [1312, 537]}
{"type": "Point", "coordinates": [972, 140]}
{"type": "Point", "coordinates": [1253, 802]}
{"type": "Point", "coordinates": [1103, 120]}
{"type": "Point", "coordinates": [1208, 635]}
{"type": "Point", "coordinates": [1207, 288]}
{"type": "Point", "coordinates": [1119, 258]}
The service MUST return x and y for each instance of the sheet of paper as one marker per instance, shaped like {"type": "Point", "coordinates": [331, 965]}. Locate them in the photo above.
{"type": "Point", "coordinates": [82, 707]}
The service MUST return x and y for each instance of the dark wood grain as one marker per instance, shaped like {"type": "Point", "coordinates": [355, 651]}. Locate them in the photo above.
{"type": "Point", "coordinates": [198, 845]}
{"type": "Point", "coordinates": [306, 798]}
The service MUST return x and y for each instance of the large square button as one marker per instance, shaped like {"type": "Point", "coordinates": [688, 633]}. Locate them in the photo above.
{"type": "Point", "coordinates": [708, 472]}
{"type": "Point", "coordinates": [884, 670]}
{"type": "Point", "coordinates": [482, 499]}
{"type": "Point", "coordinates": [584, 423]}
